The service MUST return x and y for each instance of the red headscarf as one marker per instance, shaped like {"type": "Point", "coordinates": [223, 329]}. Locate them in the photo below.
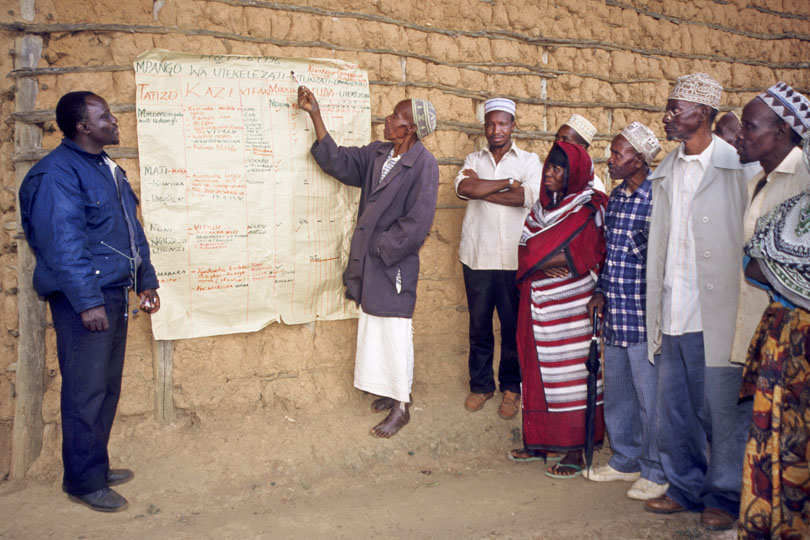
{"type": "Point", "coordinates": [574, 225]}
{"type": "Point", "coordinates": [580, 169]}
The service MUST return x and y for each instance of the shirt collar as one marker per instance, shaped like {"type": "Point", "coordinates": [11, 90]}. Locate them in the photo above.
{"type": "Point", "coordinates": [78, 149]}
{"type": "Point", "coordinates": [790, 163]}
{"type": "Point", "coordinates": [513, 149]}
{"type": "Point", "coordinates": [643, 190]}
{"type": "Point", "coordinates": [704, 157]}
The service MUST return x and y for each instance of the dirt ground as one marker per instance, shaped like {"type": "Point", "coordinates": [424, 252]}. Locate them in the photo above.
{"type": "Point", "coordinates": [269, 474]}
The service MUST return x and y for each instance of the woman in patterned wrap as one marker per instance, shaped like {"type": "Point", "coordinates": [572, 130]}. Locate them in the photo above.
{"type": "Point", "coordinates": [560, 253]}
{"type": "Point", "coordinates": [775, 498]}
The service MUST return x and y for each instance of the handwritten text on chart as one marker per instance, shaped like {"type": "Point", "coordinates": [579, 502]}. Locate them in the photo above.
{"type": "Point", "coordinates": [244, 227]}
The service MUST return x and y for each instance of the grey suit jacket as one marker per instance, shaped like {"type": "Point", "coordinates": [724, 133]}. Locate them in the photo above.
{"type": "Point", "coordinates": [717, 213]}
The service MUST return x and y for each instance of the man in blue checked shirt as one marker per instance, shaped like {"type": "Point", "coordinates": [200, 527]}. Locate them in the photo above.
{"type": "Point", "coordinates": [619, 298]}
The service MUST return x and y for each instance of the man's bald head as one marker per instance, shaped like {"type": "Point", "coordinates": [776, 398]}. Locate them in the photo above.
{"type": "Point", "coordinates": [727, 127]}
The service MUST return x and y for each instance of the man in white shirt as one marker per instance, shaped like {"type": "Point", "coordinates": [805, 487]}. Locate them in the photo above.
{"type": "Point", "coordinates": [773, 126]}
{"type": "Point", "coordinates": [579, 130]}
{"type": "Point", "coordinates": [501, 183]}
{"type": "Point", "coordinates": [693, 277]}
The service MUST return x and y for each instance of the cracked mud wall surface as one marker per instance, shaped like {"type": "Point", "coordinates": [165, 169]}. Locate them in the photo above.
{"type": "Point", "coordinates": [612, 61]}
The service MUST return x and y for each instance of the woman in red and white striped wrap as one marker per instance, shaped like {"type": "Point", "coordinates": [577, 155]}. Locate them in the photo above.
{"type": "Point", "coordinates": [560, 253]}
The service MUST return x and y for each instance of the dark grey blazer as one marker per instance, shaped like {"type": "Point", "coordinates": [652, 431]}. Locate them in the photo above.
{"type": "Point", "coordinates": [394, 219]}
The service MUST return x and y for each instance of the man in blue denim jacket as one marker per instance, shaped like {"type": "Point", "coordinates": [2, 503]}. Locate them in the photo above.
{"type": "Point", "coordinates": [79, 216]}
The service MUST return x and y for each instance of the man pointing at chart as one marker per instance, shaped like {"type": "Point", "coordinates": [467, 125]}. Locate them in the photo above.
{"type": "Point", "coordinates": [399, 181]}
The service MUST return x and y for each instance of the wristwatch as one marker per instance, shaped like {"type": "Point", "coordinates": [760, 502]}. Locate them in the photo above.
{"type": "Point", "coordinates": [511, 181]}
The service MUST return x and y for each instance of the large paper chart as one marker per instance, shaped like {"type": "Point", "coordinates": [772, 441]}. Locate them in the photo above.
{"type": "Point", "coordinates": [244, 227]}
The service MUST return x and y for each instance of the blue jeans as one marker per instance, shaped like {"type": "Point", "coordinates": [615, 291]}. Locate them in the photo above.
{"type": "Point", "coordinates": [630, 388]}
{"type": "Point", "coordinates": [702, 426]}
{"type": "Point", "coordinates": [91, 364]}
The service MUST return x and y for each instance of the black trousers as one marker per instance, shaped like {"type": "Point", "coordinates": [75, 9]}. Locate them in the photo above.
{"type": "Point", "coordinates": [91, 364]}
{"type": "Point", "coordinates": [488, 290]}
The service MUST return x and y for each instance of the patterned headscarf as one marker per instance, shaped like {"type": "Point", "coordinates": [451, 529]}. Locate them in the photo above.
{"type": "Point", "coordinates": [424, 116]}
{"type": "Point", "coordinates": [698, 88]}
{"type": "Point", "coordinates": [790, 105]}
{"type": "Point", "coordinates": [643, 140]}
{"type": "Point", "coordinates": [781, 242]}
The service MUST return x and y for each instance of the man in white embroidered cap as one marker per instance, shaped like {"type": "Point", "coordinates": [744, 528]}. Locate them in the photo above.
{"type": "Point", "coordinates": [399, 182]}
{"type": "Point", "coordinates": [579, 130]}
{"type": "Point", "coordinates": [774, 124]}
{"type": "Point", "coordinates": [500, 183]}
{"type": "Point", "coordinates": [619, 300]}
{"type": "Point", "coordinates": [693, 277]}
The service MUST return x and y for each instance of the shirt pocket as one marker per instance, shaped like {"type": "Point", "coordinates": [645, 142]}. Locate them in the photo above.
{"type": "Point", "coordinates": [637, 240]}
{"type": "Point", "coordinates": [97, 208]}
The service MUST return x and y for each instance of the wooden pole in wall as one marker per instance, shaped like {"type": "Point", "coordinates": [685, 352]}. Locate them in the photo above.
{"type": "Point", "coordinates": [26, 442]}
{"type": "Point", "coordinates": [162, 364]}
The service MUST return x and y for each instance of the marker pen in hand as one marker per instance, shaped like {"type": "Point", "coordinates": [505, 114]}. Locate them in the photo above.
{"type": "Point", "coordinates": [292, 74]}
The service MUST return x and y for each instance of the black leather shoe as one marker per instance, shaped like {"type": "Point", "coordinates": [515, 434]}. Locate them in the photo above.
{"type": "Point", "coordinates": [116, 477]}
{"type": "Point", "coordinates": [103, 500]}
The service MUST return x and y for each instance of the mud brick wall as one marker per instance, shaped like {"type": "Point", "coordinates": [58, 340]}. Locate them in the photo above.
{"type": "Point", "coordinates": [611, 60]}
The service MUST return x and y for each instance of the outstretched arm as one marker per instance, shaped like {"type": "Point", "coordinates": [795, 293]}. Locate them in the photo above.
{"type": "Point", "coordinates": [346, 163]}
{"type": "Point", "coordinates": [308, 103]}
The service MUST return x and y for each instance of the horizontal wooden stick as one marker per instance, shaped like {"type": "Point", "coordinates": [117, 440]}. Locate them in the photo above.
{"type": "Point", "coordinates": [45, 29]}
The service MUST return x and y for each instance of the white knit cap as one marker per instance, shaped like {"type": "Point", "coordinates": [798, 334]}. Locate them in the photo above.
{"type": "Point", "coordinates": [643, 140]}
{"type": "Point", "coordinates": [698, 88]}
{"type": "Point", "coordinates": [499, 104]}
{"type": "Point", "coordinates": [585, 129]}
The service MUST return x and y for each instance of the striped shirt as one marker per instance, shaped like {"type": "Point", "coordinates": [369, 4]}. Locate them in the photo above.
{"type": "Point", "coordinates": [390, 161]}
{"type": "Point", "coordinates": [622, 280]}
{"type": "Point", "coordinates": [680, 295]}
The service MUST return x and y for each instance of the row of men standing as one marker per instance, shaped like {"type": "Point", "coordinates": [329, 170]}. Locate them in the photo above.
{"type": "Point", "coordinates": [675, 332]}
{"type": "Point", "coordinates": [78, 213]}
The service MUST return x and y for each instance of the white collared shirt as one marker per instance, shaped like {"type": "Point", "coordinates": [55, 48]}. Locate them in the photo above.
{"type": "Point", "coordinates": [490, 232]}
{"type": "Point", "coordinates": [680, 295]}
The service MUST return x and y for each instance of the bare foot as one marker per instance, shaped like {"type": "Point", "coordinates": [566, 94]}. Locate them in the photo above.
{"type": "Point", "coordinates": [398, 417]}
{"type": "Point", "coordinates": [382, 404]}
